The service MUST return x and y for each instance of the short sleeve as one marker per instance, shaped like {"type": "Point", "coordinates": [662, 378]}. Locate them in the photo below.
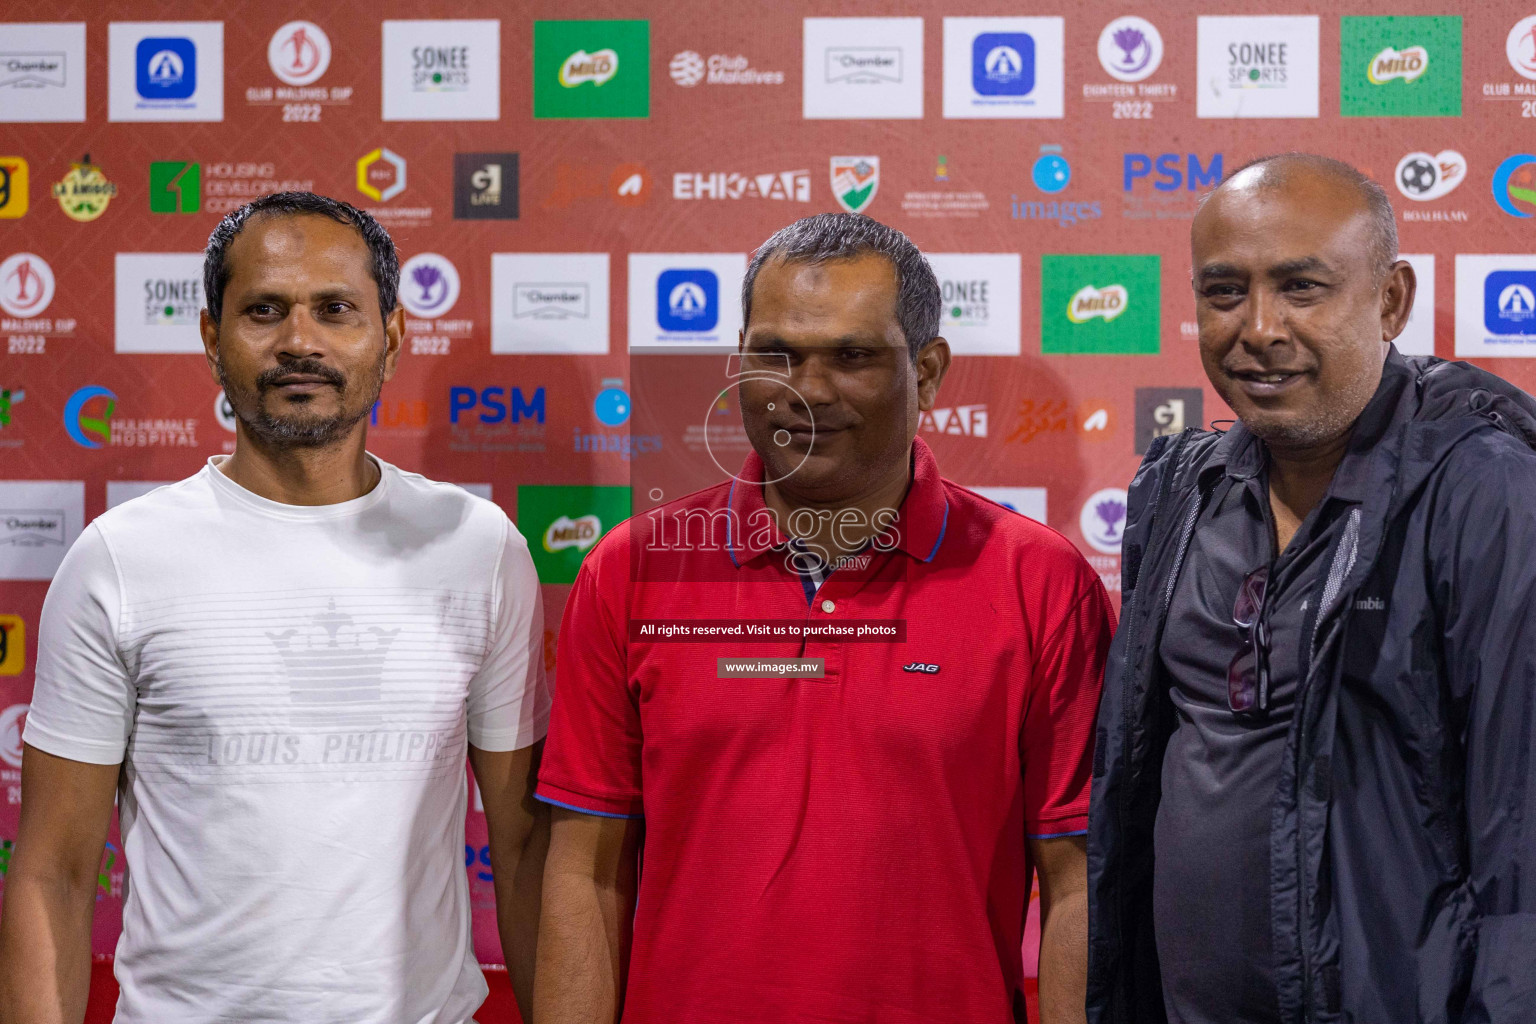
{"type": "Point", "coordinates": [1057, 736]}
{"type": "Point", "coordinates": [509, 697]}
{"type": "Point", "coordinates": [84, 697]}
{"type": "Point", "coordinates": [592, 760]}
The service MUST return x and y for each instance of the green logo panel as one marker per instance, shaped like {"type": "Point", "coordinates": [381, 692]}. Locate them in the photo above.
{"type": "Point", "coordinates": [563, 523]}
{"type": "Point", "coordinates": [1400, 67]}
{"type": "Point", "coordinates": [591, 69]}
{"type": "Point", "coordinates": [1100, 305]}
{"type": "Point", "coordinates": [175, 186]}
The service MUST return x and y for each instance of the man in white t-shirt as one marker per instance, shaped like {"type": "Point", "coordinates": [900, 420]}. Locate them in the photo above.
{"type": "Point", "coordinates": [278, 665]}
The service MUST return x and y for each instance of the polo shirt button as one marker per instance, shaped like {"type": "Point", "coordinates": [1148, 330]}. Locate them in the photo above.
{"type": "Point", "coordinates": [828, 606]}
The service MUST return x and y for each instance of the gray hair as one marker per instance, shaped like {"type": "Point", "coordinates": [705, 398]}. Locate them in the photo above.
{"type": "Point", "coordinates": [1383, 241]}
{"type": "Point", "coordinates": [846, 236]}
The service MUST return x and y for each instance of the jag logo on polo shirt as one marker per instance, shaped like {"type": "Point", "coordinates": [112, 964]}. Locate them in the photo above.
{"type": "Point", "coordinates": [918, 666]}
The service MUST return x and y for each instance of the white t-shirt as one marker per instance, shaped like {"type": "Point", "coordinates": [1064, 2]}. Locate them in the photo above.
{"type": "Point", "coordinates": [290, 690]}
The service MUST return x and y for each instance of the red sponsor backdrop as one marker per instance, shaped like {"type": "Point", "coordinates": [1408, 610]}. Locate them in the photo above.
{"type": "Point", "coordinates": [722, 151]}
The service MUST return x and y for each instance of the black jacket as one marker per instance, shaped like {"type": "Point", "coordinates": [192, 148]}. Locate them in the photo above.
{"type": "Point", "coordinates": [1403, 850]}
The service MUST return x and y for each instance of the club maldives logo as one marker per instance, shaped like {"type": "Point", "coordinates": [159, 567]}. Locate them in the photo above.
{"type": "Point", "coordinates": [855, 180]}
{"type": "Point", "coordinates": [1102, 520]}
{"type": "Point", "coordinates": [1425, 176]}
{"type": "Point", "coordinates": [1089, 302]}
{"type": "Point", "coordinates": [1130, 49]}
{"type": "Point", "coordinates": [88, 416]}
{"type": "Point", "coordinates": [26, 285]}
{"type": "Point", "coordinates": [299, 53]}
{"type": "Point", "coordinates": [84, 192]}
{"type": "Point", "coordinates": [1514, 185]}
{"type": "Point", "coordinates": [1390, 64]}
{"type": "Point", "coordinates": [429, 285]}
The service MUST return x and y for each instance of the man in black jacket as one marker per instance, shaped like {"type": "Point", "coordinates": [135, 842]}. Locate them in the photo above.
{"type": "Point", "coordinates": [1314, 791]}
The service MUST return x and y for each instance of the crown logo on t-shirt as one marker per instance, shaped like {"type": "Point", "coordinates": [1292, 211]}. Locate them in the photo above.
{"type": "Point", "coordinates": [335, 668]}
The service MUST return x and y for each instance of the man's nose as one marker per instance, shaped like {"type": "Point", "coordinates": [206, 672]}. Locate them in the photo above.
{"type": "Point", "coordinates": [813, 379]}
{"type": "Point", "coordinates": [299, 335]}
{"type": "Point", "coordinates": [1265, 324]}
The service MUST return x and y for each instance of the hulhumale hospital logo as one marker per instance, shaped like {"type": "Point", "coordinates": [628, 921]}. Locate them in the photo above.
{"type": "Point", "coordinates": [88, 416]}
{"type": "Point", "coordinates": [1514, 185]}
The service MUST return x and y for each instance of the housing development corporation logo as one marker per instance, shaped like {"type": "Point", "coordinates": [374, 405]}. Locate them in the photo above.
{"type": "Point", "coordinates": [1400, 66]}
{"type": "Point", "coordinates": [1100, 304]}
{"type": "Point", "coordinates": [26, 284]}
{"type": "Point", "coordinates": [591, 69]}
{"type": "Point", "coordinates": [1514, 185]}
{"type": "Point", "coordinates": [175, 186]}
{"type": "Point", "coordinates": [855, 180]}
{"type": "Point", "coordinates": [299, 53]}
{"type": "Point", "coordinates": [569, 521]}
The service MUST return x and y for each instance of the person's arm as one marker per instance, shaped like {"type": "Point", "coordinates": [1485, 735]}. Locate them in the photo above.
{"type": "Point", "coordinates": [589, 909]}
{"type": "Point", "coordinates": [1062, 864]}
{"type": "Point", "coordinates": [50, 892]}
{"type": "Point", "coordinates": [518, 826]}
{"type": "Point", "coordinates": [1486, 597]}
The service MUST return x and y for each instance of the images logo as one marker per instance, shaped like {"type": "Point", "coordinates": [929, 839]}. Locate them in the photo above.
{"type": "Point", "coordinates": [166, 68]}
{"type": "Point", "coordinates": [13, 652]}
{"type": "Point", "coordinates": [855, 180]}
{"type": "Point", "coordinates": [591, 69]}
{"type": "Point", "coordinates": [1100, 304]}
{"type": "Point", "coordinates": [1102, 520]}
{"type": "Point", "coordinates": [687, 300]}
{"type": "Point", "coordinates": [581, 67]}
{"type": "Point", "coordinates": [26, 285]}
{"type": "Point", "coordinates": [1425, 176]}
{"type": "Point", "coordinates": [429, 285]}
{"type": "Point", "coordinates": [485, 186]}
{"type": "Point", "coordinates": [1514, 181]}
{"type": "Point", "coordinates": [568, 521]}
{"type": "Point", "coordinates": [299, 52]}
{"type": "Point", "coordinates": [13, 185]}
{"type": "Point", "coordinates": [1390, 64]}
{"type": "Point", "coordinates": [1509, 302]}
{"type": "Point", "coordinates": [381, 174]}
{"type": "Point", "coordinates": [1400, 67]}
{"type": "Point", "coordinates": [1003, 64]}
{"type": "Point", "coordinates": [611, 406]}
{"type": "Point", "coordinates": [88, 416]}
{"type": "Point", "coordinates": [84, 193]}
{"type": "Point", "coordinates": [175, 186]}
{"type": "Point", "coordinates": [1130, 49]}
{"type": "Point", "coordinates": [1107, 302]}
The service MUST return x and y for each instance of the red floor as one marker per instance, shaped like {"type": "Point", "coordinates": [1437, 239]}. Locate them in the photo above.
{"type": "Point", "coordinates": [499, 1007]}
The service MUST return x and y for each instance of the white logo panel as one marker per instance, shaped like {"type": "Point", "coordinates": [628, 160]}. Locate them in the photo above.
{"type": "Point", "coordinates": [1026, 501]}
{"type": "Point", "coordinates": [980, 295]}
{"type": "Point", "coordinates": [39, 520]}
{"type": "Point", "coordinates": [442, 70]}
{"type": "Point", "coordinates": [158, 298]}
{"type": "Point", "coordinates": [1003, 67]}
{"type": "Point", "coordinates": [1496, 306]}
{"type": "Point", "coordinates": [549, 303]}
{"type": "Point", "coordinates": [42, 72]}
{"type": "Point", "coordinates": [863, 68]}
{"type": "Point", "coordinates": [1257, 66]}
{"type": "Point", "coordinates": [685, 302]}
{"type": "Point", "coordinates": [165, 71]}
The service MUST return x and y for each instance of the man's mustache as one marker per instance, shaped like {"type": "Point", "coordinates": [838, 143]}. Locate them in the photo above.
{"type": "Point", "coordinates": [305, 368]}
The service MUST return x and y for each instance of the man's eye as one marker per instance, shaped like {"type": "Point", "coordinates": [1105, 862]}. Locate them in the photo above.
{"type": "Point", "coordinates": [336, 308]}
{"type": "Point", "coordinates": [1222, 291]}
{"type": "Point", "coordinates": [1302, 286]}
{"type": "Point", "coordinates": [263, 309]}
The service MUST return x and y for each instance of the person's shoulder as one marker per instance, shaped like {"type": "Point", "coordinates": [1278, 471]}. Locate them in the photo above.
{"type": "Point", "coordinates": [696, 511]}
{"type": "Point", "coordinates": [425, 500]}
{"type": "Point", "coordinates": [161, 512]}
{"type": "Point", "coordinates": [1490, 466]}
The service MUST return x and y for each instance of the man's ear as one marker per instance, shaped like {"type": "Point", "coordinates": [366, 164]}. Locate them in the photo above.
{"type": "Point", "coordinates": [394, 337]}
{"type": "Point", "coordinates": [210, 332]}
{"type": "Point", "coordinates": [1397, 293]}
{"type": "Point", "coordinates": [932, 365]}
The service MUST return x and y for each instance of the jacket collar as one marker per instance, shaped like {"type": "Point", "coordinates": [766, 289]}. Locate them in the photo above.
{"type": "Point", "coordinates": [918, 530]}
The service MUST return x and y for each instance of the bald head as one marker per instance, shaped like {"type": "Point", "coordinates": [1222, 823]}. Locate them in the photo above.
{"type": "Point", "coordinates": [1309, 171]}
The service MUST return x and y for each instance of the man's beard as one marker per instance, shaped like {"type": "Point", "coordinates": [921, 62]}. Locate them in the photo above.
{"type": "Point", "coordinates": [300, 430]}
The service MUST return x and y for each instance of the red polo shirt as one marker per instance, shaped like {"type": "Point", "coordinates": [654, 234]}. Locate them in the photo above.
{"type": "Point", "coordinates": [845, 848]}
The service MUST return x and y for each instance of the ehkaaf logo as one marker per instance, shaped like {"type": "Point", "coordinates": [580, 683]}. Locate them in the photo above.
{"type": "Point", "coordinates": [1173, 171]}
{"type": "Point", "coordinates": [788, 185]}
{"type": "Point", "coordinates": [958, 421]}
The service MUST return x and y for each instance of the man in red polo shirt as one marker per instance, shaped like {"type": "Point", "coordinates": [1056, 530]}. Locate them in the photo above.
{"type": "Point", "coordinates": [847, 836]}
